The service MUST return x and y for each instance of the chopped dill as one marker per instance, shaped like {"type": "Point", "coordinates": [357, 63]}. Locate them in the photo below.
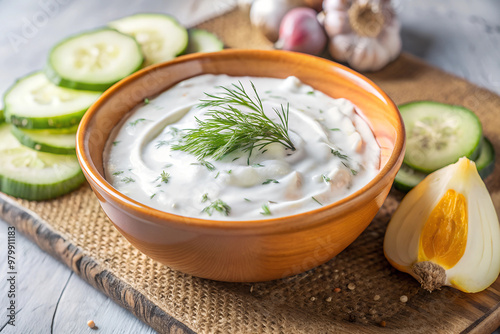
{"type": "Point", "coordinates": [310, 92]}
{"type": "Point", "coordinates": [257, 165]}
{"type": "Point", "coordinates": [146, 101]}
{"type": "Point", "coordinates": [265, 210]}
{"type": "Point", "coordinates": [164, 177]}
{"type": "Point", "coordinates": [338, 154]}
{"type": "Point", "coordinates": [217, 175]}
{"type": "Point", "coordinates": [334, 129]}
{"type": "Point", "coordinates": [326, 178]}
{"type": "Point", "coordinates": [205, 164]}
{"type": "Point", "coordinates": [118, 172]}
{"type": "Point", "coordinates": [152, 196]}
{"type": "Point", "coordinates": [229, 171]}
{"type": "Point", "coordinates": [314, 199]}
{"type": "Point", "coordinates": [204, 198]}
{"type": "Point", "coordinates": [353, 171]}
{"type": "Point", "coordinates": [128, 179]}
{"type": "Point", "coordinates": [116, 142]}
{"type": "Point", "coordinates": [173, 131]}
{"type": "Point", "coordinates": [218, 206]}
{"type": "Point", "coordinates": [161, 143]}
{"type": "Point", "coordinates": [246, 199]}
{"type": "Point", "coordinates": [270, 181]}
{"type": "Point", "coordinates": [235, 159]}
{"type": "Point", "coordinates": [137, 121]}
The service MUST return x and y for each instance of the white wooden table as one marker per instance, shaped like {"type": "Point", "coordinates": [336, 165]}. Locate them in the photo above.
{"type": "Point", "coordinates": [459, 36]}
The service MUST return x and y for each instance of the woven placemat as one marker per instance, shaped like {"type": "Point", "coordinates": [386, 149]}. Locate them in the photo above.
{"type": "Point", "coordinates": [356, 292]}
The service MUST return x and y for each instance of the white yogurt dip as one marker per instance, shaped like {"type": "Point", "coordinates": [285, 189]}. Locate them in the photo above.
{"type": "Point", "coordinates": [335, 154]}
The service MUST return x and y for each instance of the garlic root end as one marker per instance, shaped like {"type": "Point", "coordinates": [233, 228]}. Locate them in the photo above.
{"type": "Point", "coordinates": [430, 275]}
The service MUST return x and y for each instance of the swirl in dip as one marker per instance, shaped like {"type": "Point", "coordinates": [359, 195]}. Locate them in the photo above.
{"type": "Point", "coordinates": [335, 154]}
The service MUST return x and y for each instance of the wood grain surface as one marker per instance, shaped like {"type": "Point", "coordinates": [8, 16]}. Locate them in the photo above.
{"type": "Point", "coordinates": [455, 35]}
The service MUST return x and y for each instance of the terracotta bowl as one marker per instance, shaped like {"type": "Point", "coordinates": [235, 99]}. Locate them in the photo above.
{"type": "Point", "coordinates": [243, 251]}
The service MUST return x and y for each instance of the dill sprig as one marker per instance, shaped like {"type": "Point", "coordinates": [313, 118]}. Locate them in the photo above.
{"type": "Point", "coordinates": [227, 128]}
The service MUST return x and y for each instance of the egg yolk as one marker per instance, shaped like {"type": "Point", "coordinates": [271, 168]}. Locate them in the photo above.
{"type": "Point", "coordinates": [444, 235]}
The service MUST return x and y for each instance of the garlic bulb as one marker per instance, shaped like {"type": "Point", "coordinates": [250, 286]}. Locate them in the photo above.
{"type": "Point", "coordinates": [363, 33]}
{"type": "Point", "coordinates": [267, 14]}
{"type": "Point", "coordinates": [446, 231]}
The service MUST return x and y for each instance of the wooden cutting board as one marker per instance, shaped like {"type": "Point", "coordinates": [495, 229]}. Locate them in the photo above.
{"type": "Point", "coordinates": [74, 230]}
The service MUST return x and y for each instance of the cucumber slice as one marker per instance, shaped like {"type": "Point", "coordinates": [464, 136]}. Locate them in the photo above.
{"type": "Point", "coordinates": [35, 102]}
{"type": "Point", "coordinates": [438, 134]}
{"type": "Point", "coordinates": [407, 177]}
{"type": "Point", "coordinates": [485, 163]}
{"type": "Point", "coordinates": [33, 175]}
{"type": "Point", "coordinates": [94, 60]}
{"type": "Point", "coordinates": [203, 41]}
{"type": "Point", "coordinates": [161, 37]}
{"type": "Point", "coordinates": [46, 140]}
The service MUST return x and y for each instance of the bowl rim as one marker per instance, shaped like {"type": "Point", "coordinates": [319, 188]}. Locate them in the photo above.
{"type": "Point", "coordinates": [295, 221]}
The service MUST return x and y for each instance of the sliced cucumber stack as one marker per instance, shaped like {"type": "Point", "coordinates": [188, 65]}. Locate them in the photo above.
{"type": "Point", "coordinates": [203, 41]}
{"type": "Point", "coordinates": [35, 102]}
{"type": "Point", "coordinates": [161, 37]}
{"type": "Point", "coordinates": [439, 134]}
{"type": "Point", "coordinates": [46, 140]}
{"type": "Point", "coordinates": [407, 177]}
{"type": "Point", "coordinates": [37, 149]}
{"type": "Point", "coordinates": [33, 175]}
{"type": "Point", "coordinates": [94, 60]}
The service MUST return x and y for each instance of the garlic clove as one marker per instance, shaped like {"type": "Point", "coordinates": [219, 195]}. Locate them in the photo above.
{"type": "Point", "coordinates": [446, 231]}
{"type": "Point", "coordinates": [390, 40]}
{"type": "Point", "coordinates": [339, 47]}
{"type": "Point", "coordinates": [336, 22]}
{"type": "Point", "coordinates": [363, 54]}
{"type": "Point", "coordinates": [331, 5]}
{"type": "Point", "coordinates": [381, 54]}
